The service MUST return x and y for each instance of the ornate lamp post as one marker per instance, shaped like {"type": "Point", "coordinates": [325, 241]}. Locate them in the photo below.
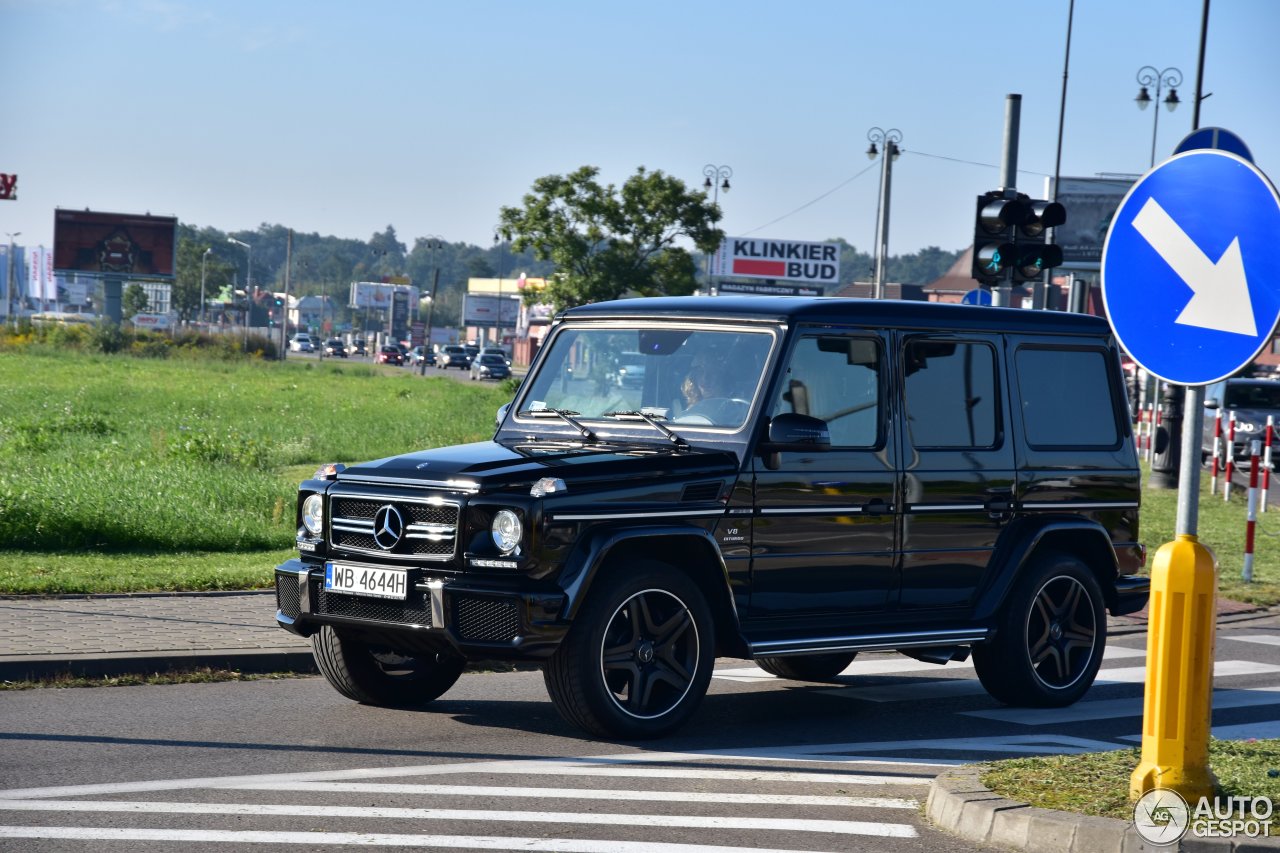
{"type": "Point", "coordinates": [717, 179]}
{"type": "Point", "coordinates": [889, 139]}
{"type": "Point", "coordinates": [248, 279]}
{"type": "Point", "coordinates": [433, 243]}
{"type": "Point", "coordinates": [1148, 76]}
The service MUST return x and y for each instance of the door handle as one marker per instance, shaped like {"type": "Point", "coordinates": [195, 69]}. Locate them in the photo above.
{"type": "Point", "coordinates": [878, 506]}
{"type": "Point", "coordinates": [999, 507]}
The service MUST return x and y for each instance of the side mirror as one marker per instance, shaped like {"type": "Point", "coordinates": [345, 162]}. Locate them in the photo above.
{"type": "Point", "coordinates": [1211, 402]}
{"type": "Point", "coordinates": [501, 416]}
{"type": "Point", "coordinates": [790, 431]}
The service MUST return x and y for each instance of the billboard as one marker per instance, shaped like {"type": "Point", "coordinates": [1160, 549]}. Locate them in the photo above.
{"type": "Point", "coordinates": [135, 245]}
{"type": "Point", "coordinates": [482, 310]}
{"type": "Point", "coordinates": [1090, 204]}
{"type": "Point", "coordinates": [780, 260]}
{"type": "Point", "coordinates": [378, 295]}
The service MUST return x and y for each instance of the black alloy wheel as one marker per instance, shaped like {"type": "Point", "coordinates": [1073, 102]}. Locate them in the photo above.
{"type": "Point", "coordinates": [1050, 638]}
{"type": "Point", "coordinates": [379, 675]}
{"type": "Point", "coordinates": [638, 659]}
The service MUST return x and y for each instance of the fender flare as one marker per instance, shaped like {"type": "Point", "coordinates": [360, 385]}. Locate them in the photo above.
{"type": "Point", "coordinates": [595, 548]}
{"type": "Point", "coordinates": [1018, 545]}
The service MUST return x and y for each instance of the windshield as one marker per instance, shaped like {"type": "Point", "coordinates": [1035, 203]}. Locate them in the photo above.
{"type": "Point", "coordinates": [695, 377]}
{"type": "Point", "coordinates": [1253, 396]}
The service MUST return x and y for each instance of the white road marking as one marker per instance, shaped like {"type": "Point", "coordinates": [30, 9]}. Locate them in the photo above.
{"type": "Point", "coordinates": [1111, 708]}
{"type": "Point", "coordinates": [839, 827]}
{"type": "Point", "coordinates": [1243, 731]}
{"type": "Point", "coordinates": [1264, 639]}
{"type": "Point", "coordinates": [580, 794]}
{"type": "Point", "coordinates": [310, 840]}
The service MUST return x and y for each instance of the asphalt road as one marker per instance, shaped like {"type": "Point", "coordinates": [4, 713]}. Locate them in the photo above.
{"type": "Point", "coordinates": [765, 764]}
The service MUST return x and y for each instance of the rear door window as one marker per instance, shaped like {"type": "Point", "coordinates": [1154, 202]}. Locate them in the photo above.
{"type": "Point", "coordinates": [1067, 398]}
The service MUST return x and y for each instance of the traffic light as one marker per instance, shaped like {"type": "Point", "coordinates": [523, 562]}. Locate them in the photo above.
{"type": "Point", "coordinates": [995, 220]}
{"type": "Point", "coordinates": [1033, 254]}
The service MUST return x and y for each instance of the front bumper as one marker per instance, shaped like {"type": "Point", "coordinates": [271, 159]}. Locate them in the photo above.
{"type": "Point", "coordinates": [480, 622]}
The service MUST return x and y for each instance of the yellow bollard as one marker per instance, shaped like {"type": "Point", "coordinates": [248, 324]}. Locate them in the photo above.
{"type": "Point", "coordinates": [1178, 699]}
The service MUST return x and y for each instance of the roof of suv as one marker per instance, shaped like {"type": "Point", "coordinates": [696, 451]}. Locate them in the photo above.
{"type": "Point", "coordinates": [792, 309]}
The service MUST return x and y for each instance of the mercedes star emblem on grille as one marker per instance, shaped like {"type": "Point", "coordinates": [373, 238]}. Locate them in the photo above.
{"type": "Point", "coordinates": [388, 527]}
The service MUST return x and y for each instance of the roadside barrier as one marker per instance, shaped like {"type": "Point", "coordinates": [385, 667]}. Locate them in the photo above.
{"type": "Point", "coordinates": [1229, 469]}
{"type": "Point", "coordinates": [1255, 451]}
{"type": "Point", "coordinates": [1266, 461]}
{"type": "Point", "coordinates": [1217, 451]}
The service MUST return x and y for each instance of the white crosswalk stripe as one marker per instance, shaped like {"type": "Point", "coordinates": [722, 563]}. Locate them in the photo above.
{"type": "Point", "coordinates": [768, 798]}
{"type": "Point", "coordinates": [1262, 639]}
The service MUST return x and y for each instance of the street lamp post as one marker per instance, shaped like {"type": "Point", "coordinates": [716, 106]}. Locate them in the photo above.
{"type": "Point", "coordinates": [433, 243]}
{"type": "Point", "coordinates": [889, 139]}
{"type": "Point", "coordinates": [499, 241]}
{"type": "Point", "coordinates": [248, 279]}
{"type": "Point", "coordinates": [9, 283]}
{"type": "Point", "coordinates": [1149, 76]}
{"type": "Point", "coordinates": [717, 179]}
{"type": "Point", "coordinates": [203, 258]}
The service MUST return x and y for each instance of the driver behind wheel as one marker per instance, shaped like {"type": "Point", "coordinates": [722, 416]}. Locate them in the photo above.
{"type": "Point", "coordinates": [713, 393]}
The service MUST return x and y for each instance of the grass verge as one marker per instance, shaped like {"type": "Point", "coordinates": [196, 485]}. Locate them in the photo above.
{"type": "Point", "coordinates": [199, 675]}
{"type": "Point", "coordinates": [1097, 783]}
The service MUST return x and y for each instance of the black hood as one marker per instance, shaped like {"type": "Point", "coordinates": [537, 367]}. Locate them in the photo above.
{"type": "Point", "coordinates": [487, 466]}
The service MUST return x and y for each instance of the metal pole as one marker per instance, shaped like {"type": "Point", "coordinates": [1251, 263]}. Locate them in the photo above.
{"type": "Point", "coordinates": [882, 222]}
{"type": "Point", "coordinates": [11, 287]}
{"type": "Point", "coordinates": [1040, 290]}
{"type": "Point", "coordinates": [203, 258]}
{"type": "Point", "coordinates": [284, 303]}
{"type": "Point", "coordinates": [715, 177]}
{"type": "Point", "coordinates": [1012, 118]}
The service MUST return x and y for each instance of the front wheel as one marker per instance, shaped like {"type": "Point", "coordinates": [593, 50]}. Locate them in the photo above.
{"type": "Point", "coordinates": [1049, 639]}
{"type": "Point", "coordinates": [380, 675]}
{"type": "Point", "coordinates": [638, 659]}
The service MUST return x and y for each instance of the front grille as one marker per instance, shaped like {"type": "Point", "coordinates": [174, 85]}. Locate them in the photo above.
{"type": "Point", "coordinates": [489, 620]}
{"type": "Point", "coordinates": [430, 526]}
{"type": "Point", "coordinates": [287, 599]}
{"type": "Point", "coordinates": [415, 610]}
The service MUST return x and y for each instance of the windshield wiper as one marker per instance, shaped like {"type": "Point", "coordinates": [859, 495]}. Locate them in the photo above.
{"type": "Point", "coordinates": [652, 421]}
{"type": "Point", "coordinates": [565, 415]}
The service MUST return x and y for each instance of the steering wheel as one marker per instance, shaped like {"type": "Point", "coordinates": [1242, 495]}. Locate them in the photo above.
{"type": "Point", "coordinates": [722, 411]}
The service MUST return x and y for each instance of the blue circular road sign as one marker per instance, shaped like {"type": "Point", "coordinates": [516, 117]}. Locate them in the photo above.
{"type": "Point", "coordinates": [1190, 267]}
{"type": "Point", "coordinates": [977, 296]}
{"type": "Point", "coordinates": [1214, 137]}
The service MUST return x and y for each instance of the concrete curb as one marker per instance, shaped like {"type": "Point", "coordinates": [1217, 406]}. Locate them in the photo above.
{"type": "Point", "coordinates": [959, 804]}
{"type": "Point", "coordinates": [115, 664]}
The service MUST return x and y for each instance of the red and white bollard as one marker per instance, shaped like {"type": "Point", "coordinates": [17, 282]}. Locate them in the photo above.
{"type": "Point", "coordinates": [1255, 451]}
{"type": "Point", "coordinates": [1266, 461]}
{"type": "Point", "coordinates": [1229, 468]}
{"type": "Point", "coordinates": [1217, 451]}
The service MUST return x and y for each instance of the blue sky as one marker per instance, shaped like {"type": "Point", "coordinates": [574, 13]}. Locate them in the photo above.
{"type": "Point", "coordinates": [343, 118]}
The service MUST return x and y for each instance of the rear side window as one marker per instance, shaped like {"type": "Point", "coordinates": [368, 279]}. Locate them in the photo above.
{"type": "Point", "coordinates": [1067, 398]}
{"type": "Point", "coordinates": [951, 394]}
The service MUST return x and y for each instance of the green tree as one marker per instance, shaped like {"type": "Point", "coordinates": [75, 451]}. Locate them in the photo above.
{"type": "Point", "coordinates": [134, 300]}
{"type": "Point", "coordinates": [185, 297]}
{"type": "Point", "coordinates": [607, 242]}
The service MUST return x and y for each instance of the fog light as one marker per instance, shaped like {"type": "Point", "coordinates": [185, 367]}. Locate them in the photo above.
{"type": "Point", "coordinates": [506, 531]}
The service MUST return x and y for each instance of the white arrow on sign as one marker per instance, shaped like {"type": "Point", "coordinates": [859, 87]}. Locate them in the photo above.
{"type": "Point", "coordinates": [1220, 291]}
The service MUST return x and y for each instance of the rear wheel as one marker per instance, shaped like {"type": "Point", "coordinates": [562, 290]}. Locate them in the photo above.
{"type": "Point", "coordinates": [1049, 638]}
{"type": "Point", "coordinates": [380, 675]}
{"type": "Point", "coordinates": [638, 659]}
{"type": "Point", "coordinates": [808, 667]}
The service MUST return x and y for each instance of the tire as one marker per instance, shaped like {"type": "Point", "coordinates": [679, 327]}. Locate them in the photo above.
{"type": "Point", "coordinates": [638, 659]}
{"type": "Point", "coordinates": [379, 675]}
{"type": "Point", "coordinates": [1049, 638]}
{"type": "Point", "coordinates": [808, 667]}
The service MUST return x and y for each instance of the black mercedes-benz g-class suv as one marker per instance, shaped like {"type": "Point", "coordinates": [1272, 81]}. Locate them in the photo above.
{"type": "Point", "coordinates": [794, 481]}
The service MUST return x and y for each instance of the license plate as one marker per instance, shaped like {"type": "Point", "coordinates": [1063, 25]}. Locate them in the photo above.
{"type": "Point", "coordinates": [363, 580]}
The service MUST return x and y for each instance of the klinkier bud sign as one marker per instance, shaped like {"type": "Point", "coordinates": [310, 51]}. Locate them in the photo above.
{"type": "Point", "coordinates": [8, 187]}
{"type": "Point", "coordinates": [784, 260]}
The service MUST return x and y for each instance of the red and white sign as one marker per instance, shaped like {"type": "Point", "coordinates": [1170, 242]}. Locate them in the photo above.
{"type": "Point", "coordinates": [8, 186]}
{"type": "Point", "coordinates": [151, 321]}
{"type": "Point", "coordinates": [783, 260]}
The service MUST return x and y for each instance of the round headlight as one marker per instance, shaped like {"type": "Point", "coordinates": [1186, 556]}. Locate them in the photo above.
{"type": "Point", "coordinates": [506, 530]}
{"type": "Point", "coordinates": [313, 514]}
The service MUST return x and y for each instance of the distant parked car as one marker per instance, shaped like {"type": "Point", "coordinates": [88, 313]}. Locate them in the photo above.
{"type": "Point", "coordinates": [453, 356]}
{"type": "Point", "coordinates": [335, 348]}
{"type": "Point", "coordinates": [490, 367]}
{"type": "Point", "coordinates": [389, 354]}
{"type": "Point", "coordinates": [417, 355]}
{"type": "Point", "coordinates": [359, 347]}
{"type": "Point", "coordinates": [630, 372]}
{"type": "Point", "coordinates": [302, 342]}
